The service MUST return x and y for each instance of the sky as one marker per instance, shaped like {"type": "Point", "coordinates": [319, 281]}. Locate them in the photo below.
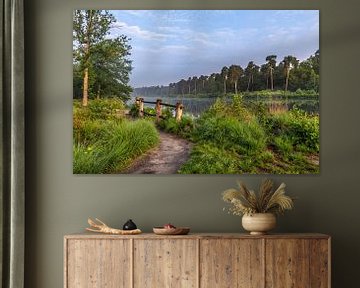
{"type": "Point", "coordinates": [170, 45]}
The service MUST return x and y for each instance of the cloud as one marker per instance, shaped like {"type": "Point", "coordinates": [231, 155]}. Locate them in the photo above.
{"type": "Point", "coordinates": [139, 13]}
{"type": "Point", "coordinates": [136, 31]}
{"type": "Point", "coordinates": [169, 45]}
{"type": "Point", "coordinates": [171, 49]}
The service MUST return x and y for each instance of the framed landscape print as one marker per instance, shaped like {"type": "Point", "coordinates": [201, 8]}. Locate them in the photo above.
{"type": "Point", "coordinates": [196, 92]}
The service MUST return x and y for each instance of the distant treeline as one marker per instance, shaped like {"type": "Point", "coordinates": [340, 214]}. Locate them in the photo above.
{"type": "Point", "coordinates": [289, 75]}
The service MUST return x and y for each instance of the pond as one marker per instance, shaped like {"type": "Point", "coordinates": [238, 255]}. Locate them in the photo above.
{"type": "Point", "coordinates": [196, 106]}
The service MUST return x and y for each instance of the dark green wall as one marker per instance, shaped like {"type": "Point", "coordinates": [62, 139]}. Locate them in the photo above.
{"type": "Point", "coordinates": [59, 202]}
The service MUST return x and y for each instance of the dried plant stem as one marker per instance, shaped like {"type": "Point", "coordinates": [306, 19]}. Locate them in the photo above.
{"type": "Point", "coordinates": [101, 227]}
{"type": "Point", "coordinates": [245, 201]}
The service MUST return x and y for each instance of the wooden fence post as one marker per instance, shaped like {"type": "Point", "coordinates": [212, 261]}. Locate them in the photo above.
{"type": "Point", "coordinates": [141, 107]}
{"type": "Point", "coordinates": [179, 111]}
{"type": "Point", "coordinates": [158, 109]}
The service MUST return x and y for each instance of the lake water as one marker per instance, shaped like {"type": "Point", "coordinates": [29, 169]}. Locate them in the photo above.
{"type": "Point", "coordinates": [196, 106]}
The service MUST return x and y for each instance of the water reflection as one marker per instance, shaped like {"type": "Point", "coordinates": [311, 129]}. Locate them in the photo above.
{"type": "Point", "coordinates": [196, 106]}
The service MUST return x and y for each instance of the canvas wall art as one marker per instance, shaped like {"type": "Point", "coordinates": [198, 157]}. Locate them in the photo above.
{"type": "Point", "coordinates": [196, 92]}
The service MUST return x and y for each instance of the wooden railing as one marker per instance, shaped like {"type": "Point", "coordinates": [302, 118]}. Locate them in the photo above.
{"type": "Point", "coordinates": [139, 103]}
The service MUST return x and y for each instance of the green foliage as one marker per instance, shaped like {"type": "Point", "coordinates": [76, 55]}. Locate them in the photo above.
{"type": "Point", "coordinates": [111, 68]}
{"type": "Point", "coordinates": [208, 159]}
{"type": "Point", "coordinates": [255, 78]}
{"type": "Point", "coordinates": [232, 138]}
{"type": "Point", "coordinates": [231, 134]}
{"type": "Point", "coordinates": [232, 127]}
{"type": "Point", "coordinates": [113, 151]}
{"type": "Point", "coordinates": [106, 109]}
{"type": "Point", "coordinates": [235, 108]}
{"type": "Point", "coordinates": [183, 128]}
{"type": "Point", "coordinates": [106, 59]}
{"type": "Point", "coordinates": [104, 141]}
{"type": "Point", "coordinates": [280, 93]}
{"type": "Point", "coordinates": [134, 110]}
{"type": "Point", "coordinates": [283, 144]}
{"type": "Point", "coordinates": [299, 127]}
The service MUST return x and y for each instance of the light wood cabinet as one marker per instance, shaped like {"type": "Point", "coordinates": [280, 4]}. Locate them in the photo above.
{"type": "Point", "coordinates": [197, 261]}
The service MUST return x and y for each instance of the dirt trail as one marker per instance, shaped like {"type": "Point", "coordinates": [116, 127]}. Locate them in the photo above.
{"type": "Point", "coordinates": [166, 158]}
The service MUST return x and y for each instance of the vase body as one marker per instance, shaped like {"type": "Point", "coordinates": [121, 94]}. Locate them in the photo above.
{"type": "Point", "coordinates": [129, 225]}
{"type": "Point", "coordinates": [259, 223]}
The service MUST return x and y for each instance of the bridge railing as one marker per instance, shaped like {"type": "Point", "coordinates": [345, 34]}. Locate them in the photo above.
{"type": "Point", "coordinates": [139, 103]}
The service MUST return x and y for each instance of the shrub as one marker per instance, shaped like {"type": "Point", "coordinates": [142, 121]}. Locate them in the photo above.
{"type": "Point", "coordinates": [182, 128]}
{"type": "Point", "coordinates": [106, 109]}
{"type": "Point", "coordinates": [283, 144]}
{"type": "Point", "coordinates": [231, 134]}
{"type": "Point", "coordinates": [303, 129]}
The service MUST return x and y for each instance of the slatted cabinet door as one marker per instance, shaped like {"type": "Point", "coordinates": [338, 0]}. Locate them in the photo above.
{"type": "Point", "coordinates": [165, 263]}
{"type": "Point", "coordinates": [297, 263]}
{"type": "Point", "coordinates": [231, 263]}
{"type": "Point", "coordinates": [99, 263]}
{"type": "Point", "coordinates": [287, 263]}
{"type": "Point", "coordinates": [320, 263]}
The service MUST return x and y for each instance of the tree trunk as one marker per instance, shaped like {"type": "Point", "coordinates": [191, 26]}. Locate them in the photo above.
{"type": "Point", "coordinates": [85, 87]}
{"type": "Point", "coordinates": [248, 86]}
{"type": "Point", "coordinates": [235, 85]}
{"type": "Point", "coordinates": [195, 88]}
{"type": "Point", "coordinates": [225, 87]}
{"type": "Point", "coordinates": [272, 79]}
{"type": "Point", "coordinates": [98, 93]}
{"type": "Point", "coordinates": [87, 57]}
{"type": "Point", "coordinates": [287, 79]}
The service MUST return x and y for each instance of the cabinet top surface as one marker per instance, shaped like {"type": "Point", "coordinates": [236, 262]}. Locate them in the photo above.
{"type": "Point", "coordinates": [86, 235]}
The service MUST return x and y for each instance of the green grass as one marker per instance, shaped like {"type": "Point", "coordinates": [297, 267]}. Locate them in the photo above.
{"type": "Point", "coordinates": [183, 128]}
{"type": "Point", "coordinates": [208, 159]}
{"type": "Point", "coordinates": [230, 138]}
{"type": "Point", "coordinates": [106, 109]}
{"type": "Point", "coordinates": [234, 138]}
{"type": "Point", "coordinates": [106, 142]}
{"type": "Point", "coordinates": [231, 134]}
{"type": "Point", "coordinates": [281, 93]}
{"type": "Point", "coordinates": [118, 145]}
{"type": "Point", "coordinates": [296, 127]}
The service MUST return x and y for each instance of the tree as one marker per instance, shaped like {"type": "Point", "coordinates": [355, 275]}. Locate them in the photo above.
{"type": "Point", "coordinates": [202, 80]}
{"type": "Point", "coordinates": [89, 28]}
{"type": "Point", "coordinates": [104, 63]}
{"type": "Point", "coordinates": [189, 84]}
{"type": "Point", "coordinates": [111, 68]}
{"type": "Point", "coordinates": [194, 79]}
{"type": "Point", "coordinates": [235, 71]}
{"type": "Point", "coordinates": [250, 71]}
{"type": "Point", "coordinates": [182, 86]}
{"type": "Point", "coordinates": [271, 64]}
{"type": "Point", "coordinates": [289, 62]}
{"type": "Point", "coordinates": [224, 75]}
{"type": "Point", "coordinates": [304, 75]}
{"type": "Point", "coordinates": [315, 62]}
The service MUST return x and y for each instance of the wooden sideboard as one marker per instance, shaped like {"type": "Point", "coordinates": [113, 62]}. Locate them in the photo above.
{"type": "Point", "coordinates": [197, 260]}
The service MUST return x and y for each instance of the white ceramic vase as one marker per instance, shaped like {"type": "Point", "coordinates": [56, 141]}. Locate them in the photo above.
{"type": "Point", "coordinates": [259, 223]}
